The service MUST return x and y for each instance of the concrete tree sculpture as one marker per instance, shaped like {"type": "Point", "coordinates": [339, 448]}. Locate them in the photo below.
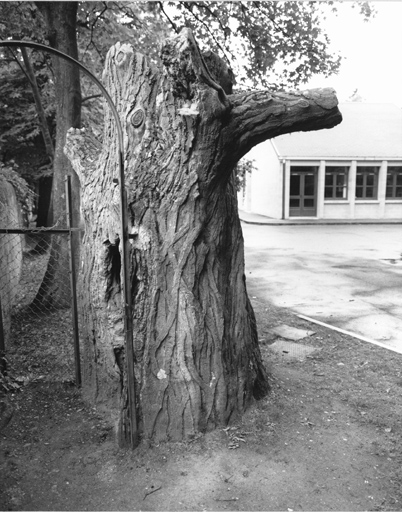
{"type": "Point", "coordinates": [197, 360]}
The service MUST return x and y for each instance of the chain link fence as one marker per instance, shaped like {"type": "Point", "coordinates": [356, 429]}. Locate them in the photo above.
{"type": "Point", "coordinates": [39, 325]}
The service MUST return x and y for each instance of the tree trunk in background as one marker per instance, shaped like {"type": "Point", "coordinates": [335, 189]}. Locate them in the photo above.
{"type": "Point", "coordinates": [61, 26]}
{"type": "Point", "coordinates": [44, 210]}
{"type": "Point", "coordinates": [197, 360]}
{"type": "Point", "coordinates": [43, 214]}
{"type": "Point", "coordinates": [47, 139]}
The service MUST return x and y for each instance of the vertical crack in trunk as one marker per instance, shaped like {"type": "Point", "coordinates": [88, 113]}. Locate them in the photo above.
{"type": "Point", "coordinates": [112, 268]}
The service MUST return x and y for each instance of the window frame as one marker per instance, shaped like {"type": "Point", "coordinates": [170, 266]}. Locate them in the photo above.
{"type": "Point", "coordinates": [365, 172]}
{"type": "Point", "coordinates": [333, 186]}
{"type": "Point", "coordinates": [393, 173]}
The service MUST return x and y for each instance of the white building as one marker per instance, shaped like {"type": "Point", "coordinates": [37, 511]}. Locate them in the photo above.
{"type": "Point", "coordinates": [351, 171]}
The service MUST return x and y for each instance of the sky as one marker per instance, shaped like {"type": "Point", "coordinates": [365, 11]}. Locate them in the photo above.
{"type": "Point", "coordinates": [372, 53]}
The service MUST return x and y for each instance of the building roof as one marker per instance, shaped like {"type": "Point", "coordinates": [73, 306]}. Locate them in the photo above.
{"type": "Point", "coordinates": [368, 130]}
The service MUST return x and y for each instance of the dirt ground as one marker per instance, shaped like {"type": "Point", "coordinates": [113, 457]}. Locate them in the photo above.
{"type": "Point", "coordinates": [328, 437]}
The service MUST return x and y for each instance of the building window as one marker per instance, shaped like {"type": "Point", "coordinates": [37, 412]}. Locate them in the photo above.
{"type": "Point", "coordinates": [394, 182]}
{"type": "Point", "coordinates": [336, 182]}
{"type": "Point", "coordinates": [367, 182]}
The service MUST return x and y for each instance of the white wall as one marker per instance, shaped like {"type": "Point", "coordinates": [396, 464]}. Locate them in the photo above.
{"type": "Point", "coordinates": [393, 210]}
{"type": "Point", "coordinates": [336, 210]}
{"type": "Point", "coordinates": [367, 210]}
{"type": "Point", "coordinates": [263, 193]}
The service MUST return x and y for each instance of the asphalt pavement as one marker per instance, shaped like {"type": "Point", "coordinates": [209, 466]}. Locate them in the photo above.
{"type": "Point", "coordinates": [346, 275]}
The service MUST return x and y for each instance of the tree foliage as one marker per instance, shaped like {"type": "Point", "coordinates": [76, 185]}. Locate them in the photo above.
{"type": "Point", "coordinates": [99, 26]}
{"type": "Point", "coordinates": [19, 125]}
{"type": "Point", "coordinates": [269, 44]}
{"type": "Point", "coordinates": [244, 166]}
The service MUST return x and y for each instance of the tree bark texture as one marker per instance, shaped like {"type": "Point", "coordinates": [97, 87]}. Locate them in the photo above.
{"type": "Point", "coordinates": [60, 20]}
{"type": "Point", "coordinates": [197, 360]}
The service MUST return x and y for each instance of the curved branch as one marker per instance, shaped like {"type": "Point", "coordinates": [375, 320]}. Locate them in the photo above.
{"type": "Point", "coordinates": [258, 116]}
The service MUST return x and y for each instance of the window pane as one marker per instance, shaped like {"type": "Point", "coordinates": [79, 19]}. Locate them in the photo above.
{"type": "Point", "coordinates": [303, 168]}
{"type": "Point", "coordinates": [340, 192]}
{"type": "Point", "coordinates": [370, 180]}
{"type": "Point", "coordinates": [336, 168]}
{"type": "Point", "coordinates": [399, 179]}
{"type": "Point", "coordinates": [359, 179]}
{"type": "Point", "coordinates": [340, 179]}
{"type": "Point", "coordinates": [294, 203]}
{"type": "Point", "coordinates": [359, 191]}
{"type": "Point", "coordinates": [328, 180]}
{"type": "Point", "coordinates": [309, 203]}
{"type": "Point", "coordinates": [295, 185]}
{"type": "Point", "coordinates": [309, 181]}
{"type": "Point", "coordinates": [369, 168]}
{"type": "Point", "coordinates": [370, 192]}
{"type": "Point", "coordinates": [390, 179]}
{"type": "Point", "coordinates": [389, 192]}
{"type": "Point", "coordinates": [398, 192]}
{"type": "Point", "coordinates": [328, 192]}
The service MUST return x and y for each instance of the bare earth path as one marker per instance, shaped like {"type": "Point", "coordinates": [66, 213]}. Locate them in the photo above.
{"type": "Point", "coordinates": [327, 438]}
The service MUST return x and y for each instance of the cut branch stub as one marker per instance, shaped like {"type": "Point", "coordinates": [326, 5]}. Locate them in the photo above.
{"type": "Point", "coordinates": [261, 115]}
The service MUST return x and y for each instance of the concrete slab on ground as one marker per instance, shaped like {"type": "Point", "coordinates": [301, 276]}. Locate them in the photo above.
{"type": "Point", "coordinates": [290, 333]}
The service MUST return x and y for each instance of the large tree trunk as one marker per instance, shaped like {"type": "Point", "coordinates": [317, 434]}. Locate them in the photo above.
{"type": "Point", "coordinates": [197, 360]}
{"type": "Point", "coordinates": [60, 20]}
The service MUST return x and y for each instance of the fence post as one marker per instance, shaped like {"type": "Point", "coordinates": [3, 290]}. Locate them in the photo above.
{"type": "Point", "coordinates": [73, 284]}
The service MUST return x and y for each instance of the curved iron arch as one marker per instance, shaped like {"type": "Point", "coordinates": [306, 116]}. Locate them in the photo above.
{"type": "Point", "coordinates": [128, 322]}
